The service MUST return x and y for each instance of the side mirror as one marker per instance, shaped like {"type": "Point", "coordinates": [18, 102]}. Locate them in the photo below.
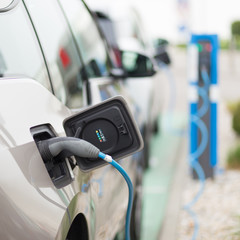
{"type": "Point", "coordinates": [160, 42]}
{"type": "Point", "coordinates": [161, 54]}
{"type": "Point", "coordinates": [137, 65]}
{"type": "Point", "coordinates": [162, 58]}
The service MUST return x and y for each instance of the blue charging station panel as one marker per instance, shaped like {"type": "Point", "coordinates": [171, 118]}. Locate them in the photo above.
{"type": "Point", "coordinates": [203, 55]}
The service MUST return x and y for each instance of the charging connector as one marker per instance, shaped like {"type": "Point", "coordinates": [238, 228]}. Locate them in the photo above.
{"type": "Point", "coordinates": [70, 146]}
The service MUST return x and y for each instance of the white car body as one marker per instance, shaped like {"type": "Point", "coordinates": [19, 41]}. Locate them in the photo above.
{"type": "Point", "coordinates": [31, 206]}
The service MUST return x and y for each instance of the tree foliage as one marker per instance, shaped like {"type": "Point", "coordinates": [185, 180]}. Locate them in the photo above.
{"type": "Point", "coordinates": [235, 29]}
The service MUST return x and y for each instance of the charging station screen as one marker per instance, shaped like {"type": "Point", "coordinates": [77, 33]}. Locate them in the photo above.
{"type": "Point", "coordinates": [205, 49]}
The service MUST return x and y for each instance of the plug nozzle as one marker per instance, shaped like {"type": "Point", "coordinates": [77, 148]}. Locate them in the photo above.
{"type": "Point", "coordinates": [74, 146]}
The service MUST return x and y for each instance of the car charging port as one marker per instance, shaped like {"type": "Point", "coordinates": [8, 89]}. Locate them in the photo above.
{"type": "Point", "coordinates": [59, 168]}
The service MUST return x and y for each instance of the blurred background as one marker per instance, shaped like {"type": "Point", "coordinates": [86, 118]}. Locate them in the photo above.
{"type": "Point", "coordinates": [168, 185]}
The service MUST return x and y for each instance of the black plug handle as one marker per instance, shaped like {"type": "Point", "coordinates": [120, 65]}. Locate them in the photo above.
{"type": "Point", "coordinates": [52, 147]}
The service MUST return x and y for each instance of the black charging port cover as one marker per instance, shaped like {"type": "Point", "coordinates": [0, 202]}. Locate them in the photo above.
{"type": "Point", "coordinates": [109, 126]}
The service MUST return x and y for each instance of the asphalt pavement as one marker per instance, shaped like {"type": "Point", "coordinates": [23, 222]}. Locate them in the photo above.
{"type": "Point", "coordinates": [167, 150]}
{"type": "Point", "coordinates": [163, 179]}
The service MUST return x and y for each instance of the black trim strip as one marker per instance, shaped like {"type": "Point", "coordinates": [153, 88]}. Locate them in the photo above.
{"type": "Point", "coordinates": [39, 42]}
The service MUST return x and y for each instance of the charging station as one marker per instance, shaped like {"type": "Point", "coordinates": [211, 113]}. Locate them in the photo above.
{"type": "Point", "coordinates": [203, 82]}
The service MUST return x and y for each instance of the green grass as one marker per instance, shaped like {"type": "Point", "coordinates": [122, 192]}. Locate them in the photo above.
{"type": "Point", "coordinates": [233, 159]}
{"type": "Point", "coordinates": [224, 44]}
{"type": "Point", "coordinates": [158, 178]}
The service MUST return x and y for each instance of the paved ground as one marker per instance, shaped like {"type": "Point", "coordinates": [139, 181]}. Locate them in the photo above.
{"type": "Point", "coordinates": [165, 152]}
{"type": "Point", "coordinates": [218, 208]}
{"type": "Point", "coordinates": [167, 149]}
{"type": "Point", "coordinates": [168, 176]}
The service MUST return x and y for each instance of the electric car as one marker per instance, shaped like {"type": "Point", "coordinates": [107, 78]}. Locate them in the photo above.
{"type": "Point", "coordinates": [54, 63]}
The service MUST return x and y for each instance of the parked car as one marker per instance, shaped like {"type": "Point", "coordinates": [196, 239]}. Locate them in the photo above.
{"type": "Point", "coordinates": [53, 63]}
{"type": "Point", "coordinates": [161, 56]}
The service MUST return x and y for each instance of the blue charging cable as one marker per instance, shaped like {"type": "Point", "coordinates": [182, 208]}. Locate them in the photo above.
{"type": "Point", "coordinates": [196, 119]}
{"type": "Point", "coordinates": [78, 147]}
{"type": "Point", "coordinates": [199, 171]}
{"type": "Point", "coordinates": [109, 159]}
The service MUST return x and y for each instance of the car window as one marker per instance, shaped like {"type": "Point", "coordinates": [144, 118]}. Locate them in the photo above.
{"type": "Point", "coordinates": [107, 27]}
{"type": "Point", "coordinates": [60, 51]}
{"type": "Point", "coordinates": [88, 38]}
{"type": "Point", "coordinates": [20, 53]}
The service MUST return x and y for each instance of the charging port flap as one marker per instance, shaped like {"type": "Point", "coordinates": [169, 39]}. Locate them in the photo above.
{"type": "Point", "coordinates": [109, 126]}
